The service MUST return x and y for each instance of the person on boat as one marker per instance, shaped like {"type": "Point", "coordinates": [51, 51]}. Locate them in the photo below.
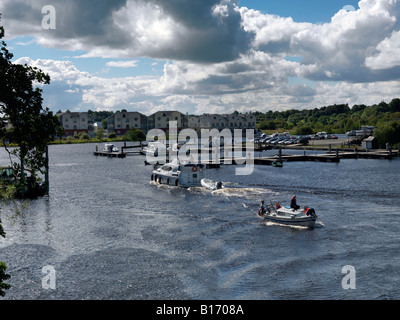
{"type": "Point", "coordinates": [309, 211]}
{"type": "Point", "coordinates": [293, 203]}
{"type": "Point", "coordinates": [278, 206]}
{"type": "Point", "coordinates": [262, 209]}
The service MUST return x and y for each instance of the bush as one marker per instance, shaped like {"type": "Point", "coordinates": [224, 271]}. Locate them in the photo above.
{"type": "Point", "coordinates": [83, 136]}
{"type": "Point", "coordinates": [303, 131]}
{"type": "Point", "coordinates": [112, 135]}
{"type": "Point", "coordinates": [136, 135]}
{"type": "Point", "coordinates": [388, 133]}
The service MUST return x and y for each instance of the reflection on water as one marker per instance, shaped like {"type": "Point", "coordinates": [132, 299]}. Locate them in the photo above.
{"type": "Point", "coordinates": [110, 233]}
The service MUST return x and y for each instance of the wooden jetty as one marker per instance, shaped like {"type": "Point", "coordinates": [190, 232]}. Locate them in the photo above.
{"type": "Point", "coordinates": [123, 153]}
{"type": "Point", "coordinates": [110, 154]}
{"type": "Point", "coordinates": [132, 152]}
{"type": "Point", "coordinates": [331, 157]}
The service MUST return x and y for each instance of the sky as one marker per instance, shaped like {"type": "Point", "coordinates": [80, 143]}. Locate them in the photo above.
{"type": "Point", "coordinates": [207, 56]}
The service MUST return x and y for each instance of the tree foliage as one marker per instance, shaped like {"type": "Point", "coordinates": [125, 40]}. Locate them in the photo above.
{"type": "Point", "coordinates": [23, 120]}
{"type": "Point", "coordinates": [136, 135]}
{"type": "Point", "coordinates": [338, 118]}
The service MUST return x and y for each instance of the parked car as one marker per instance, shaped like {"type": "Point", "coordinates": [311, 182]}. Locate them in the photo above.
{"type": "Point", "coordinates": [304, 140]}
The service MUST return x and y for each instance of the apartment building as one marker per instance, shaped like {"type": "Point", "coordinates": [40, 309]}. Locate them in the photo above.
{"type": "Point", "coordinates": [161, 119]}
{"type": "Point", "coordinates": [223, 121]}
{"type": "Point", "coordinates": [75, 122]}
{"type": "Point", "coordinates": [122, 121]}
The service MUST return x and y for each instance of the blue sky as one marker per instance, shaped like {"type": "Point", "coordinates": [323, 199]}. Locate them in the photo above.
{"type": "Point", "coordinates": [209, 55]}
{"type": "Point", "coordinates": [301, 11]}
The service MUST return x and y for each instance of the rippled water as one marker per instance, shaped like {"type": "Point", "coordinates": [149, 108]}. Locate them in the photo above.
{"type": "Point", "coordinates": [111, 234]}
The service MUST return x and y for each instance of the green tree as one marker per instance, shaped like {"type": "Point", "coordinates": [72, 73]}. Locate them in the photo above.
{"type": "Point", "coordinates": [22, 117]}
{"type": "Point", "coordinates": [100, 133]}
{"type": "Point", "coordinates": [104, 123]}
{"type": "Point", "coordinates": [388, 133]}
{"type": "Point", "coordinates": [136, 135]}
{"type": "Point", "coordinates": [267, 125]}
{"type": "Point", "coordinates": [112, 135]}
{"type": "Point", "coordinates": [3, 277]}
{"type": "Point", "coordinates": [303, 131]}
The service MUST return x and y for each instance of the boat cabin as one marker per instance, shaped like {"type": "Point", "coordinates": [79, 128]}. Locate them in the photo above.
{"type": "Point", "coordinates": [176, 174]}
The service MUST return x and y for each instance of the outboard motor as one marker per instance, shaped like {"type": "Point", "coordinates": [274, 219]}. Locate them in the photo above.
{"type": "Point", "coordinates": [219, 185]}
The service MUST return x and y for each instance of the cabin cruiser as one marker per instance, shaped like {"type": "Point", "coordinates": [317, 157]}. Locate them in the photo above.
{"type": "Point", "coordinates": [178, 174]}
{"type": "Point", "coordinates": [210, 184]}
{"type": "Point", "coordinates": [109, 147]}
{"type": "Point", "coordinates": [305, 217]}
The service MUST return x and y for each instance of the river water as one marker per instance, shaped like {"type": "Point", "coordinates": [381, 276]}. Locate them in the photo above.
{"type": "Point", "coordinates": [109, 233]}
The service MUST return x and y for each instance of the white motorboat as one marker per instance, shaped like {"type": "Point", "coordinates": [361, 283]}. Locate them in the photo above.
{"type": "Point", "coordinates": [109, 147]}
{"type": "Point", "coordinates": [152, 148]}
{"type": "Point", "coordinates": [210, 184]}
{"type": "Point", "coordinates": [305, 217]}
{"type": "Point", "coordinates": [178, 174]}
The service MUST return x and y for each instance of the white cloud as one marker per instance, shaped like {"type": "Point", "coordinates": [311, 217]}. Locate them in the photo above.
{"type": "Point", "coordinates": [123, 64]}
{"type": "Point", "coordinates": [220, 57]}
{"type": "Point", "coordinates": [388, 56]}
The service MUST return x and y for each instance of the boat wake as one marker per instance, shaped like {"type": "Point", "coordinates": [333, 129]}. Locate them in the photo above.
{"type": "Point", "coordinates": [318, 224]}
{"type": "Point", "coordinates": [248, 193]}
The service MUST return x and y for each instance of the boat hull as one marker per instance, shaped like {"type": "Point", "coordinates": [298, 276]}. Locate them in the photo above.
{"type": "Point", "coordinates": [293, 221]}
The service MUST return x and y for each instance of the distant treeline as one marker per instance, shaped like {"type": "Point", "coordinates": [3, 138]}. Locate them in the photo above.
{"type": "Point", "coordinates": [338, 118]}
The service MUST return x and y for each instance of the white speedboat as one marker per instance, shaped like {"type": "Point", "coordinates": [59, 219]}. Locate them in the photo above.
{"type": "Point", "coordinates": [210, 184]}
{"type": "Point", "coordinates": [305, 217]}
{"type": "Point", "coordinates": [178, 174]}
{"type": "Point", "coordinates": [109, 147]}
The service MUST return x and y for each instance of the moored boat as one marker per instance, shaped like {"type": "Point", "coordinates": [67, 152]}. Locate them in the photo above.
{"type": "Point", "coordinates": [110, 147]}
{"type": "Point", "coordinates": [152, 149]}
